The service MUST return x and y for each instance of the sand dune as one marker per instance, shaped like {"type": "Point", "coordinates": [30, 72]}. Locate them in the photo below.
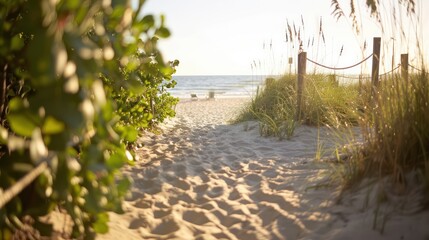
{"type": "Point", "coordinates": [205, 179]}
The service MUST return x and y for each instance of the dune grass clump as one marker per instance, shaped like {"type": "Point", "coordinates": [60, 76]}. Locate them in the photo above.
{"type": "Point", "coordinates": [328, 103]}
{"type": "Point", "coordinates": [325, 102]}
{"type": "Point", "coordinates": [396, 133]}
{"type": "Point", "coordinates": [274, 108]}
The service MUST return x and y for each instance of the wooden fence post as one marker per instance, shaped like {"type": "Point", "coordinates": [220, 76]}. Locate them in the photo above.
{"type": "Point", "coordinates": [404, 66]}
{"type": "Point", "coordinates": [360, 84]}
{"type": "Point", "coordinates": [375, 66]}
{"type": "Point", "coordinates": [374, 79]}
{"type": "Point", "coordinates": [302, 65]}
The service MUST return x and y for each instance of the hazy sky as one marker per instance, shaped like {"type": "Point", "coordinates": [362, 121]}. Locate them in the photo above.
{"type": "Point", "coordinates": [221, 37]}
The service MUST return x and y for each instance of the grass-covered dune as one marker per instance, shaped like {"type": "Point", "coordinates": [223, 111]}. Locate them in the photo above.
{"type": "Point", "coordinates": [394, 123]}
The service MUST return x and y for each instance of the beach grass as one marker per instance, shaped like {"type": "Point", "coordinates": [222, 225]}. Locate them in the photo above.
{"type": "Point", "coordinates": [396, 133]}
{"type": "Point", "coordinates": [394, 123]}
{"type": "Point", "coordinates": [325, 102]}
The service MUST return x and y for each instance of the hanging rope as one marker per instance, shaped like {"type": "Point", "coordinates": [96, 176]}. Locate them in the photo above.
{"type": "Point", "coordinates": [339, 68]}
{"type": "Point", "coordinates": [348, 77]}
{"type": "Point", "coordinates": [364, 77]}
{"type": "Point", "coordinates": [399, 65]}
{"type": "Point", "coordinates": [415, 68]}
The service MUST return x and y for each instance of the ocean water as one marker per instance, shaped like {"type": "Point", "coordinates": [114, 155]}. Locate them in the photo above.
{"type": "Point", "coordinates": [223, 86]}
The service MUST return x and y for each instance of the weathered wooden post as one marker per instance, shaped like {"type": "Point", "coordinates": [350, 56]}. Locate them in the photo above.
{"type": "Point", "coordinates": [375, 80]}
{"type": "Point", "coordinates": [404, 66]}
{"type": "Point", "coordinates": [375, 66]}
{"type": "Point", "coordinates": [360, 84]}
{"type": "Point", "coordinates": [302, 65]}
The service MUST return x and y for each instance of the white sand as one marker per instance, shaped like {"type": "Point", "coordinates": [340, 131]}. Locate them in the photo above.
{"type": "Point", "coordinates": [205, 179]}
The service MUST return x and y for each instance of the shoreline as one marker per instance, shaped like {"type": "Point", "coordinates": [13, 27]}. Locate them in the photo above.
{"type": "Point", "coordinates": [216, 97]}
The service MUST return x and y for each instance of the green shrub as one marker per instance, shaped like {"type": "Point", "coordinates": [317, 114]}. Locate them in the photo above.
{"type": "Point", "coordinates": [70, 71]}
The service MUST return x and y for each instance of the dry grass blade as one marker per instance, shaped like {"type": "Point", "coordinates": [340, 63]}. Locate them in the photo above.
{"type": "Point", "coordinates": [337, 12]}
{"type": "Point", "coordinates": [353, 16]}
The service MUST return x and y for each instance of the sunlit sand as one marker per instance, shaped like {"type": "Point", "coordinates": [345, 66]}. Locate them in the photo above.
{"type": "Point", "coordinates": [203, 178]}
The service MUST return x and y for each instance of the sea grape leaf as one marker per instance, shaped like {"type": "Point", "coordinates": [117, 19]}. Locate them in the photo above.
{"type": "Point", "coordinates": [163, 32]}
{"type": "Point", "coordinates": [17, 43]}
{"type": "Point", "coordinates": [100, 226]}
{"type": "Point", "coordinates": [115, 161]}
{"type": "Point", "coordinates": [128, 133]}
{"type": "Point", "coordinates": [43, 63]}
{"type": "Point", "coordinates": [52, 126]}
{"type": "Point", "coordinates": [22, 121]}
{"type": "Point", "coordinates": [147, 23]}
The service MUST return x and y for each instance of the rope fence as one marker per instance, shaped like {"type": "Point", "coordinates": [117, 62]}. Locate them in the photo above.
{"type": "Point", "coordinates": [302, 66]}
{"type": "Point", "coordinates": [396, 68]}
{"type": "Point", "coordinates": [367, 77]}
{"type": "Point", "coordinates": [375, 75]}
{"type": "Point", "coordinates": [339, 68]}
{"type": "Point", "coordinates": [415, 68]}
{"type": "Point", "coordinates": [354, 65]}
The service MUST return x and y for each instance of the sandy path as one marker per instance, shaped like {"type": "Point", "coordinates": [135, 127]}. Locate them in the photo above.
{"type": "Point", "coordinates": [210, 180]}
{"type": "Point", "coordinates": [205, 179]}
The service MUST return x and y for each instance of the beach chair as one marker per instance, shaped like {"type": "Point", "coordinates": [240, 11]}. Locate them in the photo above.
{"type": "Point", "coordinates": [211, 95]}
{"type": "Point", "coordinates": [194, 97]}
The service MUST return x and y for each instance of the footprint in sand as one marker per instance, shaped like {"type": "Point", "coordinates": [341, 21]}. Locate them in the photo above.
{"type": "Point", "coordinates": [169, 176]}
{"type": "Point", "coordinates": [270, 173]}
{"type": "Point", "coordinates": [228, 180]}
{"type": "Point", "coordinates": [149, 186]}
{"type": "Point", "coordinates": [134, 195]}
{"type": "Point", "coordinates": [150, 172]}
{"type": "Point", "coordinates": [227, 207]}
{"type": "Point", "coordinates": [175, 139]}
{"type": "Point", "coordinates": [233, 219]}
{"type": "Point", "coordinates": [216, 167]}
{"type": "Point", "coordinates": [256, 166]}
{"type": "Point", "coordinates": [248, 153]}
{"type": "Point", "coordinates": [265, 149]}
{"type": "Point", "coordinates": [208, 236]}
{"type": "Point", "coordinates": [179, 183]}
{"type": "Point", "coordinates": [201, 188]}
{"type": "Point", "coordinates": [261, 196]}
{"type": "Point", "coordinates": [253, 179]}
{"type": "Point", "coordinates": [180, 170]}
{"type": "Point", "coordinates": [245, 230]}
{"type": "Point", "coordinates": [166, 227]}
{"type": "Point", "coordinates": [234, 195]}
{"type": "Point", "coordinates": [215, 192]}
{"type": "Point", "coordinates": [204, 177]}
{"type": "Point", "coordinates": [137, 223]}
{"type": "Point", "coordinates": [177, 196]}
{"type": "Point", "coordinates": [188, 151]}
{"type": "Point", "coordinates": [166, 164]}
{"type": "Point", "coordinates": [231, 158]}
{"type": "Point", "coordinates": [202, 200]}
{"type": "Point", "coordinates": [195, 217]}
{"type": "Point", "coordinates": [186, 197]}
{"type": "Point", "coordinates": [268, 215]}
{"type": "Point", "coordinates": [236, 166]}
{"type": "Point", "coordinates": [289, 228]}
{"type": "Point", "coordinates": [161, 213]}
{"type": "Point", "coordinates": [143, 203]}
{"type": "Point", "coordinates": [197, 168]}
